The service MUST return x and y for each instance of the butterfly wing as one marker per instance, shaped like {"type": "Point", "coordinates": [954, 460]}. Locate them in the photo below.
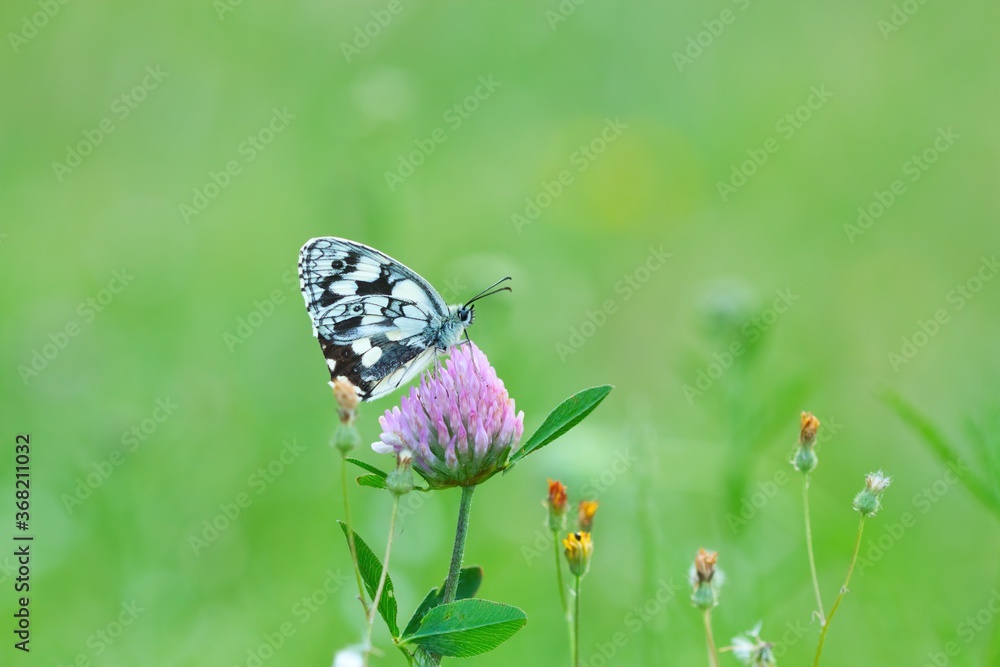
{"type": "Point", "coordinates": [371, 314]}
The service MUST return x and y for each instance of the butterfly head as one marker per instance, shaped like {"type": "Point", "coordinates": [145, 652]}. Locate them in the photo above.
{"type": "Point", "coordinates": [464, 315]}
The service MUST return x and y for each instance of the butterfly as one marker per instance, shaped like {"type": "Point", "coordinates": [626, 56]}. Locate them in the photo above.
{"type": "Point", "coordinates": [378, 322]}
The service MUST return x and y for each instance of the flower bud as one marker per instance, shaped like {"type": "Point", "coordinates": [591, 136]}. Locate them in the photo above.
{"type": "Point", "coordinates": [808, 425]}
{"type": "Point", "coordinates": [346, 438]}
{"type": "Point", "coordinates": [400, 480]}
{"type": "Point", "coordinates": [805, 459]}
{"type": "Point", "coordinates": [579, 548]}
{"type": "Point", "coordinates": [557, 506]}
{"type": "Point", "coordinates": [705, 580]}
{"type": "Point", "coordinates": [585, 518]}
{"type": "Point", "coordinates": [347, 397]}
{"type": "Point", "coordinates": [869, 499]}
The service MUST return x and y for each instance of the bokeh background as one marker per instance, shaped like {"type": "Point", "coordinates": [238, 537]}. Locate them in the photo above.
{"type": "Point", "coordinates": [160, 357]}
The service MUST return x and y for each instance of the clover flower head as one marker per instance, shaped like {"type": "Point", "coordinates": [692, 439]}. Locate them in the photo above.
{"type": "Point", "coordinates": [459, 422]}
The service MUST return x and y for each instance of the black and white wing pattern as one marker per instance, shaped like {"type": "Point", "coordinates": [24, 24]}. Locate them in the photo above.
{"type": "Point", "coordinates": [375, 319]}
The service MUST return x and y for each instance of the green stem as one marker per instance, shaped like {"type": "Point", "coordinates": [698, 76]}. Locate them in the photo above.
{"type": "Point", "coordinates": [451, 584]}
{"type": "Point", "coordinates": [843, 590]}
{"type": "Point", "coordinates": [713, 654]}
{"type": "Point", "coordinates": [809, 548]}
{"type": "Point", "coordinates": [576, 626]}
{"type": "Point", "coordinates": [373, 610]}
{"type": "Point", "coordinates": [350, 534]}
{"type": "Point", "coordinates": [562, 593]}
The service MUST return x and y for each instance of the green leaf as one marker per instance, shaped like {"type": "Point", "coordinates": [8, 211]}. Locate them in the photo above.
{"type": "Point", "coordinates": [373, 481]}
{"type": "Point", "coordinates": [367, 466]}
{"type": "Point", "coordinates": [465, 628]}
{"type": "Point", "coordinates": [371, 571]}
{"type": "Point", "coordinates": [430, 601]}
{"type": "Point", "coordinates": [422, 658]}
{"type": "Point", "coordinates": [469, 580]}
{"type": "Point", "coordinates": [569, 413]}
{"type": "Point", "coordinates": [940, 446]}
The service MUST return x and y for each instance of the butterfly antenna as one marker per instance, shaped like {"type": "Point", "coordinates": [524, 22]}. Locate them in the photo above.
{"type": "Point", "coordinates": [489, 291]}
{"type": "Point", "coordinates": [474, 364]}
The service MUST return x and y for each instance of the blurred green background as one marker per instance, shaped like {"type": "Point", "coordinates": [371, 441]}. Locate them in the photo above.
{"type": "Point", "coordinates": [156, 341]}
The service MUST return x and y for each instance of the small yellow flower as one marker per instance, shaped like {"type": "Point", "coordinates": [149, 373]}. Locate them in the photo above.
{"type": "Point", "coordinates": [588, 508]}
{"type": "Point", "coordinates": [557, 497]}
{"type": "Point", "coordinates": [579, 549]}
{"type": "Point", "coordinates": [557, 505]}
{"type": "Point", "coordinates": [807, 429]}
{"type": "Point", "coordinates": [805, 459]}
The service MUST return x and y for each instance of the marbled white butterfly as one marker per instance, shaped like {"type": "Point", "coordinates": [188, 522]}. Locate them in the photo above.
{"type": "Point", "coordinates": [378, 322]}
